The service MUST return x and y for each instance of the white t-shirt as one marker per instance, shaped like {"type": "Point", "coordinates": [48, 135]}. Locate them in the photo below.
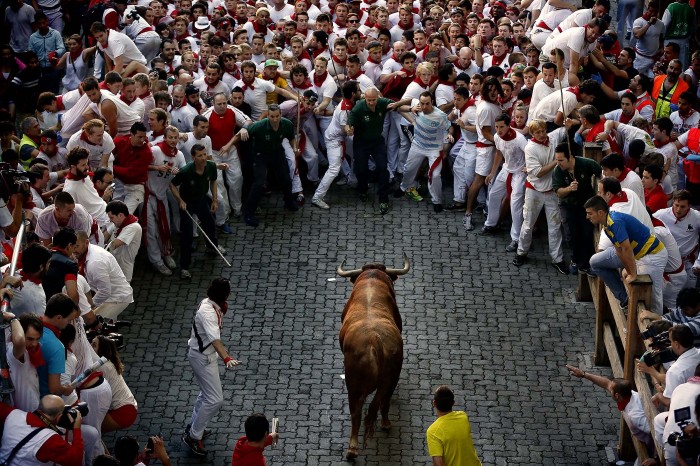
{"type": "Point", "coordinates": [257, 97]}
{"type": "Point", "coordinates": [25, 380]}
{"type": "Point", "coordinates": [126, 253]}
{"type": "Point", "coordinates": [96, 151]}
{"type": "Point", "coordinates": [444, 94]}
{"type": "Point", "coordinates": [46, 224]}
{"type": "Point", "coordinates": [106, 278]}
{"type": "Point", "coordinates": [186, 146]}
{"type": "Point", "coordinates": [119, 44]}
{"type": "Point", "coordinates": [159, 182]}
{"type": "Point", "coordinates": [682, 369]}
{"type": "Point", "coordinates": [121, 395]}
{"type": "Point", "coordinates": [513, 152]}
{"type": "Point", "coordinates": [85, 194]}
{"type": "Point", "coordinates": [571, 39]}
{"type": "Point", "coordinates": [486, 114]}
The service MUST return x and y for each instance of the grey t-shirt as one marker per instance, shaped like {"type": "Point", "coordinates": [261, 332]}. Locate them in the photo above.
{"type": "Point", "coordinates": [20, 23]}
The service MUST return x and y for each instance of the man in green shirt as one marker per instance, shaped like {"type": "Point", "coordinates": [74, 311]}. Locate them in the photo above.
{"type": "Point", "coordinates": [449, 437]}
{"type": "Point", "coordinates": [368, 117]}
{"type": "Point", "coordinates": [268, 154]}
{"type": "Point", "coordinates": [195, 179]}
{"type": "Point", "coordinates": [680, 22]}
{"type": "Point", "coordinates": [573, 180]}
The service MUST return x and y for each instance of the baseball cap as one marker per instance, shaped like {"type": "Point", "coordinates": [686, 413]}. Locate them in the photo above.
{"type": "Point", "coordinates": [271, 62]}
{"type": "Point", "coordinates": [191, 90]}
{"type": "Point", "coordinates": [311, 95]}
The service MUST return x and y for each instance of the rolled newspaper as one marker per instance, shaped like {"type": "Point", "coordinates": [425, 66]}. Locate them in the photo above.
{"type": "Point", "coordinates": [87, 372]}
{"type": "Point", "coordinates": [275, 424]}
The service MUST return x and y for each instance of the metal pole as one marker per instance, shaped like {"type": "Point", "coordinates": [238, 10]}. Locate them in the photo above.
{"type": "Point", "coordinates": [216, 248]}
{"type": "Point", "coordinates": [563, 109]}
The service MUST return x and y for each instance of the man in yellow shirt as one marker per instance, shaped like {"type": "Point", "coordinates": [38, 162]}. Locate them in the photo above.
{"type": "Point", "coordinates": [449, 437]}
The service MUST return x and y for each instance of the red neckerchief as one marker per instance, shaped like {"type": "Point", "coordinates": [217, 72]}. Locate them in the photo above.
{"type": "Point", "coordinates": [318, 52]}
{"type": "Point", "coordinates": [35, 356]}
{"type": "Point", "coordinates": [156, 134]}
{"type": "Point", "coordinates": [368, 21]}
{"type": "Point", "coordinates": [29, 278]}
{"type": "Point", "coordinates": [127, 221]}
{"type": "Point", "coordinates": [338, 62]}
{"type": "Point", "coordinates": [304, 55]}
{"type": "Point", "coordinates": [575, 91]}
{"type": "Point", "coordinates": [182, 37]}
{"type": "Point", "coordinates": [395, 58]}
{"type": "Point", "coordinates": [210, 86]}
{"type": "Point", "coordinates": [71, 176]}
{"type": "Point", "coordinates": [346, 104]}
{"type": "Point", "coordinates": [166, 149]}
{"type": "Point", "coordinates": [496, 61]}
{"type": "Point", "coordinates": [620, 197]}
{"type": "Point", "coordinates": [248, 85]}
{"type": "Point", "coordinates": [258, 27]}
{"type": "Point", "coordinates": [125, 100]}
{"type": "Point", "coordinates": [304, 85]}
{"type": "Point", "coordinates": [371, 60]}
{"type": "Point", "coordinates": [198, 105]}
{"type": "Point", "coordinates": [624, 118]}
{"type": "Point", "coordinates": [56, 331]}
{"type": "Point", "coordinates": [339, 24]}
{"type": "Point", "coordinates": [623, 175]}
{"type": "Point", "coordinates": [320, 79]}
{"type": "Point", "coordinates": [83, 137]}
{"type": "Point", "coordinates": [397, 85]}
{"type": "Point", "coordinates": [378, 26]}
{"type": "Point", "coordinates": [658, 144]}
{"type": "Point", "coordinates": [236, 72]}
{"type": "Point", "coordinates": [145, 94]}
{"type": "Point", "coordinates": [509, 136]}
{"type": "Point", "coordinates": [409, 27]}
{"type": "Point", "coordinates": [354, 77]}
{"type": "Point", "coordinates": [544, 143]}
{"type": "Point", "coordinates": [471, 101]}
{"type": "Point", "coordinates": [59, 103]}
{"type": "Point", "coordinates": [621, 405]}
{"type": "Point", "coordinates": [646, 16]}
{"type": "Point", "coordinates": [353, 52]}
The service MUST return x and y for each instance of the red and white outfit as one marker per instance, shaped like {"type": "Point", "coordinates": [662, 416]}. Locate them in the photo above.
{"type": "Point", "coordinates": [465, 162]}
{"type": "Point", "coordinates": [130, 234]}
{"type": "Point", "coordinates": [96, 150]}
{"type": "Point", "coordinates": [255, 95]}
{"type": "Point", "coordinates": [113, 293]}
{"type": "Point", "coordinates": [685, 230]}
{"type": "Point", "coordinates": [486, 114]}
{"type": "Point", "coordinates": [510, 180]}
{"type": "Point", "coordinates": [337, 142]}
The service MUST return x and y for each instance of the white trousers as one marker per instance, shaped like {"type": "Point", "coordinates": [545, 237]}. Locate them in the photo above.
{"type": "Point", "coordinates": [672, 287]}
{"type": "Point", "coordinates": [413, 163]}
{"type": "Point", "coordinates": [644, 65]}
{"type": "Point", "coordinates": [539, 36]}
{"type": "Point", "coordinates": [149, 45]}
{"type": "Point", "coordinates": [534, 202]}
{"type": "Point", "coordinates": [111, 310]}
{"type": "Point", "coordinates": [99, 399]}
{"type": "Point", "coordinates": [154, 247]}
{"type": "Point", "coordinates": [210, 397]}
{"type": "Point", "coordinates": [234, 178]}
{"type": "Point", "coordinates": [392, 136]}
{"type": "Point", "coordinates": [130, 194]}
{"type": "Point", "coordinates": [463, 170]}
{"type": "Point", "coordinates": [498, 190]}
{"type": "Point", "coordinates": [335, 160]}
{"type": "Point", "coordinates": [293, 171]}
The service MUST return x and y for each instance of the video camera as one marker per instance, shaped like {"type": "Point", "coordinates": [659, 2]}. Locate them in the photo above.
{"type": "Point", "coordinates": [108, 328]}
{"type": "Point", "coordinates": [688, 446]}
{"type": "Point", "coordinates": [65, 422]}
{"type": "Point", "coordinates": [13, 181]}
{"type": "Point", "coordinates": [661, 351]}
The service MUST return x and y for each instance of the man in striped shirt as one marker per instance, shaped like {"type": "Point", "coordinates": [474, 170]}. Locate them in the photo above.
{"type": "Point", "coordinates": [431, 128]}
{"type": "Point", "coordinates": [686, 312]}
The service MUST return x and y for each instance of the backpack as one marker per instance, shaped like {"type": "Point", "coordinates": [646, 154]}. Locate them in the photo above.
{"type": "Point", "coordinates": [93, 15]}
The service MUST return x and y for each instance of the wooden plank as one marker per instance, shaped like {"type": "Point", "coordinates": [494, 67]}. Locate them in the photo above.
{"type": "Point", "coordinates": [602, 316]}
{"type": "Point", "coordinates": [583, 292]}
{"type": "Point", "coordinates": [613, 356]}
{"type": "Point", "coordinates": [619, 317]}
{"type": "Point", "coordinates": [645, 393]}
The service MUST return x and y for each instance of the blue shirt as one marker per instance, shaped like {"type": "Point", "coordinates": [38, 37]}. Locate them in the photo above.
{"type": "Point", "coordinates": [430, 129]}
{"type": "Point", "coordinates": [42, 45]}
{"type": "Point", "coordinates": [620, 227]}
{"type": "Point", "coordinates": [54, 354]}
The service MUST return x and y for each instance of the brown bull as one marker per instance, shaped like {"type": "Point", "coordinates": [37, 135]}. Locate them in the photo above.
{"type": "Point", "coordinates": [370, 337]}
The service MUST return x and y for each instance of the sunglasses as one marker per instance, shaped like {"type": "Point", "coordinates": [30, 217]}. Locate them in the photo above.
{"type": "Point", "coordinates": [353, 21]}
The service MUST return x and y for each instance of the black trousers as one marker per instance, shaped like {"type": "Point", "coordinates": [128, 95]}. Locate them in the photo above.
{"type": "Point", "coordinates": [202, 209]}
{"type": "Point", "coordinates": [362, 150]}
{"type": "Point", "coordinates": [581, 234]}
{"type": "Point", "coordinates": [279, 169]}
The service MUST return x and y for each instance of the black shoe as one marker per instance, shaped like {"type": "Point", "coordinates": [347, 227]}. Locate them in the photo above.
{"type": "Point", "coordinates": [519, 260]}
{"type": "Point", "coordinates": [383, 208]}
{"type": "Point", "coordinates": [456, 206]}
{"type": "Point", "coordinates": [587, 270]}
{"type": "Point", "coordinates": [207, 432]}
{"type": "Point", "coordinates": [291, 206]}
{"type": "Point", "coordinates": [438, 208]}
{"type": "Point", "coordinates": [196, 446]}
{"type": "Point", "coordinates": [398, 193]}
{"type": "Point", "coordinates": [562, 267]}
{"type": "Point", "coordinates": [251, 221]}
{"type": "Point", "coordinates": [488, 231]}
{"type": "Point", "coordinates": [363, 197]}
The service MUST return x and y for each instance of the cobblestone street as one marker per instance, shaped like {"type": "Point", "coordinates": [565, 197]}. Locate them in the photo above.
{"type": "Point", "coordinates": [499, 335]}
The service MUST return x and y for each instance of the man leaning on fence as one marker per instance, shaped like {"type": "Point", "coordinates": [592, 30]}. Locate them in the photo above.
{"type": "Point", "coordinates": [635, 250]}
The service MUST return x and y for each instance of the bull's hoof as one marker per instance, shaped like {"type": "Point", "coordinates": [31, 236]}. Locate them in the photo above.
{"type": "Point", "coordinates": [351, 454]}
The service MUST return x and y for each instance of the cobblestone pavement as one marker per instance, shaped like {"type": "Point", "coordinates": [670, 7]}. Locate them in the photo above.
{"type": "Point", "coordinates": [498, 335]}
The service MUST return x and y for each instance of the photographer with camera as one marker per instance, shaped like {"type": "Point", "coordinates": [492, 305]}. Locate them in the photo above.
{"type": "Point", "coordinates": [126, 450]}
{"type": "Point", "coordinates": [36, 438]}
{"type": "Point", "coordinates": [686, 312]}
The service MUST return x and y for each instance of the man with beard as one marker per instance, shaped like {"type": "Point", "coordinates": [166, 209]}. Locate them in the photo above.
{"type": "Point", "coordinates": [668, 88]}
{"type": "Point", "coordinates": [80, 186]}
{"type": "Point", "coordinates": [186, 106]}
{"type": "Point", "coordinates": [211, 84]}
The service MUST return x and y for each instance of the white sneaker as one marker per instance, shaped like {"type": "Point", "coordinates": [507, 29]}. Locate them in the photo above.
{"type": "Point", "coordinates": [169, 262]}
{"type": "Point", "coordinates": [468, 222]}
{"type": "Point", "coordinates": [320, 204]}
{"type": "Point", "coordinates": [161, 268]}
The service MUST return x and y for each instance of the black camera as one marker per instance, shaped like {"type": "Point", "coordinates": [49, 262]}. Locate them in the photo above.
{"type": "Point", "coordinates": [133, 14]}
{"type": "Point", "coordinates": [688, 447]}
{"type": "Point", "coordinates": [659, 341]}
{"type": "Point", "coordinates": [73, 411]}
{"type": "Point", "coordinates": [14, 181]}
{"type": "Point", "coordinates": [658, 356]}
{"type": "Point", "coordinates": [109, 328]}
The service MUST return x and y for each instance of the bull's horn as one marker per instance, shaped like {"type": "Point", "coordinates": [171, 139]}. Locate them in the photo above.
{"type": "Point", "coordinates": [404, 271]}
{"type": "Point", "coordinates": [348, 273]}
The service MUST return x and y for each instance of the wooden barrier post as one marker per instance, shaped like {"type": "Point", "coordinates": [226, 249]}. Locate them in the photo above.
{"type": "Point", "coordinates": [602, 316]}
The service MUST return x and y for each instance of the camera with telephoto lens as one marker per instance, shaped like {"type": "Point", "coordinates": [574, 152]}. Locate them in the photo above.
{"type": "Point", "coordinates": [133, 14]}
{"type": "Point", "coordinates": [14, 181]}
{"type": "Point", "coordinates": [109, 328]}
{"type": "Point", "coordinates": [688, 446]}
{"type": "Point", "coordinates": [73, 411]}
{"type": "Point", "coordinates": [659, 341]}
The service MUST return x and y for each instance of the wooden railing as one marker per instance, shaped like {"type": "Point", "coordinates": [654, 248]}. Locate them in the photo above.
{"type": "Point", "coordinates": [618, 344]}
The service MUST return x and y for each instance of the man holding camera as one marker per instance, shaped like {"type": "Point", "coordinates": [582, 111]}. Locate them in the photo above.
{"type": "Point", "coordinates": [686, 312]}
{"type": "Point", "coordinates": [34, 438]}
{"type": "Point", "coordinates": [681, 412]}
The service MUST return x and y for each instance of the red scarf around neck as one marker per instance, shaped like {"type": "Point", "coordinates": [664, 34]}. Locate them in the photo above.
{"type": "Point", "coordinates": [510, 135]}
{"type": "Point", "coordinates": [319, 79]}
{"type": "Point", "coordinates": [544, 143]}
{"type": "Point", "coordinates": [248, 85]}
{"type": "Point", "coordinates": [145, 95]}
{"type": "Point", "coordinates": [409, 26]}
{"type": "Point", "coordinates": [166, 149]}
{"type": "Point", "coordinates": [305, 85]}
{"type": "Point", "coordinates": [338, 61]}
{"type": "Point", "coordinates": [318, 52]}
{"type": "Point", "coordinates": [127, 221]}
{"type": "Point", "coordinates": [620, 197]}
{"type": "Point", "coordinates": [259, 28]}
{"type": "Point", "coordinates": [125, 100]}
{"type": "Point", "coordinates": [575, 91]}
{"type": "Point", "coordinates": [354, 77]}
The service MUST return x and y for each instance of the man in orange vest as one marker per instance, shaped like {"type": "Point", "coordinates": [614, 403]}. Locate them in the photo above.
{"type": "Point", "coordinates": [668, 89]}
{"type": "Point", "coordinates": [688, 143]}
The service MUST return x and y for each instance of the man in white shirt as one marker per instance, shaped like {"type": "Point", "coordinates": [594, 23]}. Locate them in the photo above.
{"type": "Point", "coordinates": [121, 54]}
{"type": "Point", "coordinates": [576, 43]}
{"type": "Point", "coordinates": [126, 240]}
{"type": "Point", "coordinates": [684, 224]}
{"type": "Point", "coordinates": [113, 293]}
{"type": "Point", "coordinates": [98, 143]}
{"type": "Point", "coordinates": [29, 298]}
{"type": "Point", "coordinates": [66, 212]}
{"type": "Point", "coordinates": [79, 185]}
{"type": "Point", "coordinates": [613, 165]}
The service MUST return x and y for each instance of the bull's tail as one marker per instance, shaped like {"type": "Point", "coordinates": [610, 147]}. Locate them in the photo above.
{"type": "Point", "coordinates": [377, 350]}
